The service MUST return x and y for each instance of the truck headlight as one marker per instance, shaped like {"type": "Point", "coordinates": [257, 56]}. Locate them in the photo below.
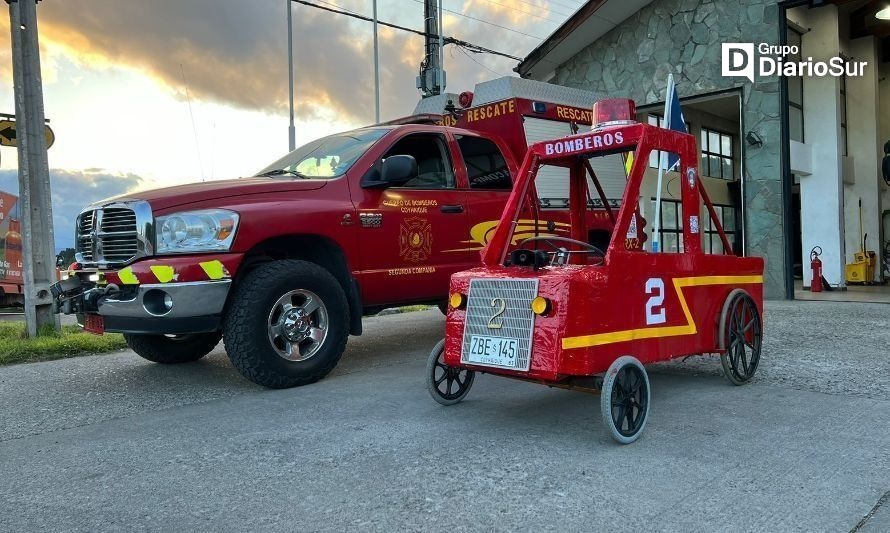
{"type": "Point", "coordinates": [207, 230]}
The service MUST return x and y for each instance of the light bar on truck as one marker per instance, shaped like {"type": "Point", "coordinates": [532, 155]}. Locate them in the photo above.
{"type": "Point", "coordinates": [614, 112]}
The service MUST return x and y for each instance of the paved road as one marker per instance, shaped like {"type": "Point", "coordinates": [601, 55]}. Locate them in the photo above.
{"type": "Point", "coordinates": [115, 443]}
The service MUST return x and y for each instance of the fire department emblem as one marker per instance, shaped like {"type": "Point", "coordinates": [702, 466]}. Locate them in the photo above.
{"type": "Point", "coordinates": [415, 239]}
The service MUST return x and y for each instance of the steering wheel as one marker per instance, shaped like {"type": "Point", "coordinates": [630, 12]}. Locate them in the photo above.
{"type": "Point", "coordinates": [589, 248]}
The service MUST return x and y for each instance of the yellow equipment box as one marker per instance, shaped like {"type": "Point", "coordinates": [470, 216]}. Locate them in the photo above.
{"type": "Point", "coordinates": [862, 269]}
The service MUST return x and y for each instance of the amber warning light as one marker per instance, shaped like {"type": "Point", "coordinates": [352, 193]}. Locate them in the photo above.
{"type": "Point", "coordinates": [614, 112]}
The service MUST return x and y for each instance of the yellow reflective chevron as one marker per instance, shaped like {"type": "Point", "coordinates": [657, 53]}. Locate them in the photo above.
{"type": "Point", "coordinates": [164, 273]}
{"type": "Point", "coordinates": [127, 277]}
{"type": "Point", "coordinates": [214, 269]}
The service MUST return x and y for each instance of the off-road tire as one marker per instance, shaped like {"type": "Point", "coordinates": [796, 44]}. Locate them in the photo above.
{"type": "Point", "coordinates": [245, 325]}
{"type": "Point", "coordinates": [172, 349]}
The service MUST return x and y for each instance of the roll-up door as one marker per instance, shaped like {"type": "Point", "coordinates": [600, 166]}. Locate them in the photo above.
{"type": "Point", "coordinates": [553, 182]}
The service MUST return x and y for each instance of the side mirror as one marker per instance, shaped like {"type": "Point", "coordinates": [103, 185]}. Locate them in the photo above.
{"type": "Point", "coordinates": [398, 169]}
{"type": "Point", "coordinates": [394, 170]}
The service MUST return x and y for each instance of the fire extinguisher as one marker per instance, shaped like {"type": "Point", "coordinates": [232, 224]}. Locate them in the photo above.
{"type": "Point", "coordinates": [816, 266]}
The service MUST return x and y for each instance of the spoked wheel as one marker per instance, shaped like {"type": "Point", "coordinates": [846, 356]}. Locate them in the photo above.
{"type": "Point", "coordinates": [741, 334]}
{"type": "Point", "coordinates": [447, 384]}
{"type": "Point", "coordinates": [625, 399]}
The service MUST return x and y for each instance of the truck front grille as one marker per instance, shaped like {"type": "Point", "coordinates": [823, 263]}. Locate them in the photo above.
{"type": "Point", "coordinates": [113, 234]}
{"type": "Point", "coordinates": [515, 319]}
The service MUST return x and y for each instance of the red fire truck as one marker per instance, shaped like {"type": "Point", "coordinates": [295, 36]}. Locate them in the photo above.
{"type": "Point", "coordinates": [565, 312]}
{"type": "Point", "coordinates": [11, 283]}
{"type": "Point", "coordinates": [283, 265]}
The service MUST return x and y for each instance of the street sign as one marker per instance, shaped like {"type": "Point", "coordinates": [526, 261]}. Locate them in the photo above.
{"type": "Point", "coordinates": [8, 135]}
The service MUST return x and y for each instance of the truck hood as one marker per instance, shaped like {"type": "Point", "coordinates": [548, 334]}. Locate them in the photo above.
{"type": "Point", "coordinates": [168, 197]}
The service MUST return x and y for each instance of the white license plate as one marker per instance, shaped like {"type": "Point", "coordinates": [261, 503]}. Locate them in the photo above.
{"type": "Point", "coordinates": [493, 351]}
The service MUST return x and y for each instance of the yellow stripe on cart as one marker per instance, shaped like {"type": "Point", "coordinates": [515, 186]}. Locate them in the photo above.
{"type": "Point", "coordinates": [599, 339]}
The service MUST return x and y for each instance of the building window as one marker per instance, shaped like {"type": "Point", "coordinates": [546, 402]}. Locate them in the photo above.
{"type": "Point", "coordinates": [711, 242]}
{"type": "Point", "coordinates": [716, 154]}
{"type": "Point", "coordinates": [795, 91]}
{"type": "Point", "coordinates": [486, 166]}
{"type": "Point", "coordinates": [843, 103]}
{"type": "Point", "coordinates": [671, 227]}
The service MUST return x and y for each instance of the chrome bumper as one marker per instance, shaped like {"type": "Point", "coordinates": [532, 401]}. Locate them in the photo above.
{"type": "Point", "coordinates": [194, 299]}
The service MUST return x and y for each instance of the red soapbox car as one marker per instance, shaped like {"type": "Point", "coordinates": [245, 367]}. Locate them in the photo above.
{"type": "Point", "coordinates": [566, 313]}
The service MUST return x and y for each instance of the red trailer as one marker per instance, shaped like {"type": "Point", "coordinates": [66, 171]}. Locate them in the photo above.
{"type": "Point", "coordinates": [11, 283]}
{"type": "Point", "coordinates": [565, 312]}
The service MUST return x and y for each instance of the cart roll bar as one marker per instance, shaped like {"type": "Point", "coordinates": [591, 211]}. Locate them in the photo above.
{"type": "Point", "coordinates": [727, 249]}
{"type": "Point", "coordinates": [599, 190]}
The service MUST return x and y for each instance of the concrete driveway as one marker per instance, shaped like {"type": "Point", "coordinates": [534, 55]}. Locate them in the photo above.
{"type": "Point", "coordinates": [115, 443]}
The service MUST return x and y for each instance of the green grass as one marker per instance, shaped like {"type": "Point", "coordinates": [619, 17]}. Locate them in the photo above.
{"type": "Point", "coordinates": [70, 342]}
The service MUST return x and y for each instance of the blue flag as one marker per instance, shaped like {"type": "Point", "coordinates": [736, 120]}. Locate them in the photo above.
{"type": "Point", "coordinates": [673, 118]}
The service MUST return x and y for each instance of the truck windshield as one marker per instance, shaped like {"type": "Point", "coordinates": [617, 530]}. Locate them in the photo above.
{"type": "Point", "coordinates": [328, 157]}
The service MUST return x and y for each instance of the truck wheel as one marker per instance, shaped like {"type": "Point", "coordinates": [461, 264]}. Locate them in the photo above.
{"type": "Point", "coordinates": [446, 384]}
{"type": "Point", "coordinates": [172, 349]}
{"type": "Point", "coordinates": [740, 336]}
{"type": "Point", "coordinates": [624, 400]}
{"type": "Point", "coordinates": [287, 324]}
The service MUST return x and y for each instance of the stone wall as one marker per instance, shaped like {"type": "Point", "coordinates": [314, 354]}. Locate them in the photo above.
{"type": "Point", "coordinates": [684, 37]}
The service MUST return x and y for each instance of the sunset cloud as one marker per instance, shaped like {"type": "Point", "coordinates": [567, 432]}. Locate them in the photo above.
{"type": "Point", "coordinates": [234, 52]}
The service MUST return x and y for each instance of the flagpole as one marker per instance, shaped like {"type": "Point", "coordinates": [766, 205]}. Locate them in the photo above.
{"type": "Point", "coordinates": [291, 129]}
{"type": "Point", "coordinates": [656, 226]}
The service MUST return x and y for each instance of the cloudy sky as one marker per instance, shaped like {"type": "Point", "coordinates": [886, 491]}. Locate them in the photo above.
{"type": "Point", "coordinates": [119, 75]}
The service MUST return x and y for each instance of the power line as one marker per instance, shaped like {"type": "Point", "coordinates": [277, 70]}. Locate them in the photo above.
{"type": "Point", "coordinates": [448, 40]}
{"type": "Point", "coordinates": [485, 22]}
{"type": "Point", "coordinates": [542, 17]}
{"type": "Point", "coordinates": [337, 6]}
{"type": "Point", "coordinates": [573, 7]}
{"type": "Point", "coordinates": [481, 64]}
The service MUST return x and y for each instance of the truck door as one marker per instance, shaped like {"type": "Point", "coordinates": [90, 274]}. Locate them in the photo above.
{"type": "Point", "coordinates": [490, 184]}
{"type": "Point", "coordinates": [410, 235]}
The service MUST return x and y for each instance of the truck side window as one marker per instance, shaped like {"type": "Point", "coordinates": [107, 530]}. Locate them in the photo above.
{"type": "Point", "coordinates": [486, 166]}
{"type": "Point", "coordinates": [434, 169]}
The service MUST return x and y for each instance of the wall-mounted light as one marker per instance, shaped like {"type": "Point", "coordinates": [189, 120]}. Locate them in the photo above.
{"type": "Point", "coordinates": [883, 14]}
{"type": "Point", "coordinates": [754, 139]}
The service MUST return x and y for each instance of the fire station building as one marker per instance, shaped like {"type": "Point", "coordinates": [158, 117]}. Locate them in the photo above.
{"type": "Point", "coordinates": [791, 138]}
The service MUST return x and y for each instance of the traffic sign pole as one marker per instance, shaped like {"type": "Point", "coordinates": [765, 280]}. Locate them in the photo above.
{"type": "Point", "coordinates": [39, 270]}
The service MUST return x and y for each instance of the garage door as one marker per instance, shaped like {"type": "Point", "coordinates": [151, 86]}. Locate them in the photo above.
{"type": "Point", "coordinates": [553, 182]}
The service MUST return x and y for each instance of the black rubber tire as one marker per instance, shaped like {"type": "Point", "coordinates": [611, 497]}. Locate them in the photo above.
{"type": "Point", "coordinates": [739, 297]}
{"type": "Point", "coordinates": [435, 361]}
{"type": "Point", "coordinates": [607, 398]}
{"type": "Point", "coordinates": [172, 349]}
{"type": "Point", "coordinates": [245, 332]}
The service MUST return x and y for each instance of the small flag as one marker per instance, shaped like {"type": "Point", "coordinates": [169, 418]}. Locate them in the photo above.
{"type": "Point", "coordinates": [673, 117]}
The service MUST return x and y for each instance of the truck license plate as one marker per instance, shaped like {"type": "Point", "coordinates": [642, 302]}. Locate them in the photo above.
{"type": "Point", "coordinates": [493, 351]}
{"type": "Point", "coordinates": [94, 324]}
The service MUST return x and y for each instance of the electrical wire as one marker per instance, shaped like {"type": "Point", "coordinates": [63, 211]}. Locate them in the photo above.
{"type": "Point", "coordinates": [470, 17]}
{"type": "Point", "coordinates": [448, 40]}
{"type": "Point", "coordinates": [474, 60]}
{"type": "Point", "coordinates": [188, 99]}
{"type": "Point", "coordinates": [542, 17]}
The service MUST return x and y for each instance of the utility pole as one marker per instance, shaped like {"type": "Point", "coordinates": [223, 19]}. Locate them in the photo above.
{"type": "Point", "coordinates": [440, 80]}
{"type": "Point", "coordinates": [376, 70]}
{"type": "Point", "coordinates": [291, 131]}
{"type": "Point", "coordinates": [34, 188]}
{"type": "Point", "coordinates": [431, 80]}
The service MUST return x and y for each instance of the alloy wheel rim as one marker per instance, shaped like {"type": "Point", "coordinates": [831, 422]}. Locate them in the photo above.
{"type": "Point", "coordinates": [298, 325]}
